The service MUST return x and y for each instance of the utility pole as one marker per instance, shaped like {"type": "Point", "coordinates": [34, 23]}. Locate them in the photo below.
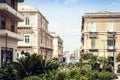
{"type": "Point", "coordinates": [113, 52]}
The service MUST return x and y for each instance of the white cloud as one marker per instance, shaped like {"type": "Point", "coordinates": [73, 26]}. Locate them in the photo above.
{"type": "Point", "coordinates": [70, 1]}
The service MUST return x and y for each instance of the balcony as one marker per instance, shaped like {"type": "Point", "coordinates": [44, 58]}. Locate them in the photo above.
{"type": "Point", "coordinates": [11, 35]}
{"type": "Point", "coordinates": [20, 0]}
{"type": "Point", "coordinates": [24, 29]}
{"type": "Point", "coordinates": [93, 34]}
{"type": "Point", "coordinates": [111, 50]}
{"type": "Point", "coordinates": [111, 34]}
{"type": "Point", "coordinates": [8, 10]}
{"type": "Point", "coordinates": [93, 50]}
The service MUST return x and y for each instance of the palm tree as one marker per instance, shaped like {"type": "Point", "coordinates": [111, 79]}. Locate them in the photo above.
{"type": "Point", "coordinates": [27, 66]}
{"type": "Point", "coordinates": [34, 65]}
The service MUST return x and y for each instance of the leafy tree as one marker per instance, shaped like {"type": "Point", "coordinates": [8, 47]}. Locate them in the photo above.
{"type": "Point", "coordinates": [32, 78]}
{"type": "Point", "coordinates": [118, 57]}
{"type": "Point", "coordinates": [7, 73]}
{"type": "Point", "coordinates": [86, 56]}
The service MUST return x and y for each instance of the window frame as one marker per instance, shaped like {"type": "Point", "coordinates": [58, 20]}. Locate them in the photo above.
{"type": "Point", "coordinates": [111, 42]}
{"type": "Point", "coordinates": [93, 43]}
{"type": "Point", "coordinates": [27, 38]}
{"type": "Point", "coordinates": [93, 26]}
{"type": "Point", "coordinates": [111, 26]}
{"type": "Point", "coordinates": [13, 3]}
{"type": "Point", "coordinates": [3, 22]}
{"type": "Point", "coordinates": [12, 26]}
{"type": "Point", "coordinates": [27, 20]}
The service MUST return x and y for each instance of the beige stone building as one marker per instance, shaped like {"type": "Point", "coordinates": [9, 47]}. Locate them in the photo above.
{"type": "Point", "coordinates": [9, 17]}
{"type": "Point", "coordinates": [34, 28]}
{"type": "Point", "coordinates": [57, 46]}
{"type": "Point", "coordinates": [101, 34]}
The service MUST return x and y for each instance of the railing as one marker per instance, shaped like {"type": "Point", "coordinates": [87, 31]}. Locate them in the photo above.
{"type": "Point", "coordinates": [93, 34]}
{"type": "Point", "coordinates": [93, 50]}
{"type": "Point", "coordinates": [111, 34]}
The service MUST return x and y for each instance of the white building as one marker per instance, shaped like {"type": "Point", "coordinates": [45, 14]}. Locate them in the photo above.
{"type": "Point", "coordinates": [34, 28]}
{"type": "Point", "coordinates": [57, 47]}
{"type": "Point", "coordinates": [66, 57]}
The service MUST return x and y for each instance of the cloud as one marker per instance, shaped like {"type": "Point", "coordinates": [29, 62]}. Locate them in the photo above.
{"type": "Point", "coordinates": [70, 1]}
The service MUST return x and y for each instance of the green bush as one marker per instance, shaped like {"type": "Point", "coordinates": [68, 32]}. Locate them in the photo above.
{"type": "Point", "coordinates": [7, 73]}
{"type": "Point", "coordinates": [107, 75]}
{"type": "Point", "coordinates": [32, 78]}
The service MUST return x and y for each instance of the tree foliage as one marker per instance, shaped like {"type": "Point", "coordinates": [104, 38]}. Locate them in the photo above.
{"type": "Point", "coordinates": [118, 57]}
{"type": "Point", "coordinates": [34, 65]}
{"type": "Point", "coordinates": [86, 56]}
{"type": "Point", "coordinates": [7, 73]}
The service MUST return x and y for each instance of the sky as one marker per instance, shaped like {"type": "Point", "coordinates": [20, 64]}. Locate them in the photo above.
{"type": "Point", "coordinates": [65, 16]}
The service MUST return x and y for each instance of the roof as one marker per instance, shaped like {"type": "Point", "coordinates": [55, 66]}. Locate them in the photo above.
{"type": "Point", "coordinates": [102, 14]}
{"type": "Point", "coordinates": [24, 8]}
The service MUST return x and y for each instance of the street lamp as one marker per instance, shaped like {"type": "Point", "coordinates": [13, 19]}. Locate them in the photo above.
{"type": "Point", "coordinates": [6, 35]}
{"type": "Point", "coordinates": [113, 52]}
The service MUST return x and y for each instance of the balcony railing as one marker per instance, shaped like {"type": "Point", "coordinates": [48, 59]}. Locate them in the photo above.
{"type": "Point", "coordinates": [93, 50]}
{"type": "Point", "coordinates": [93, 34]}
{"type": "Point", "coordinates": [11, 35]}
{"type": "Point", "coordinates": [111, 34]}
{"type": "Point", "coordinates": [111, 50]}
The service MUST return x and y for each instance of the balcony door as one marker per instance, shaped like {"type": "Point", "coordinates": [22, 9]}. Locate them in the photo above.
{"type": "Point", "coordinates": [6, 56]}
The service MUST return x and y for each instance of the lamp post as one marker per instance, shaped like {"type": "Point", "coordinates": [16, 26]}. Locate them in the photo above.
{"type": "Point", "coordinates": [113, 52]}
{"type": "Point", "coordinates": [6, 35]}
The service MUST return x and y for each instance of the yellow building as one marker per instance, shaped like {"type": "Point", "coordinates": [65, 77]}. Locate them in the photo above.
{"type": "Point", "coordinates": [101, 34]}
{"type": "Point", "coordinates": [9, 16]}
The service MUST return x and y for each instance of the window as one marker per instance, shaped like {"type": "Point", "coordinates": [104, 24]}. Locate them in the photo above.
{"type": "Point", "coordinates": [3, 22]}
{"type": "Point", "coordinates": [5, 59]}
{"type": "Point", "coordinates": [27, 21]}
{"type": "Point", "coordinates": [27, 39]}
{"type": "Point", "coordinates": [12, 26]}
{"type": "Point", "coordinates": [111, 42]}
{"type": "Point", "coordinates": [93, 27]}
{"type": "Point", "coordinates": [2, 1]}
{"type": "Point", "coordinates": [93, 43]}
{"type": "Point", "coordinates": [41, 38]}
{"type": "Point", "coordinates": [12, 3]}
{"type": "Point", "coordinates": [111, 26]}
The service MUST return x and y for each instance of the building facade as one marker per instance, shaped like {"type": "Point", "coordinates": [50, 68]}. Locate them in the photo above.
{"type": "Point", "coordinates": [9, 18]}
{"type": "Point", "coordinates": [66, 57]}
{"type": "Point", "coordinates": [101, 34]}
{"type": "Point", "coordinates": [77, 53]}
{"type": "Point", "coordinates": [34, 28]}
{"type": "Point", "coordinates": [57, 47]}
